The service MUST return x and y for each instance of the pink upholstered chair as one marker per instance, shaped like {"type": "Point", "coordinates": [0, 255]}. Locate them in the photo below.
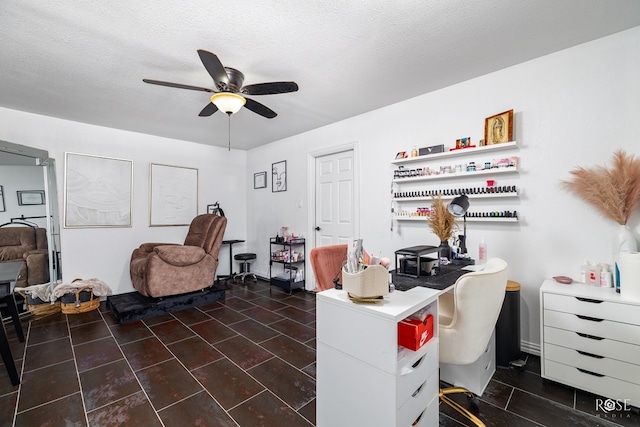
{"type": "Point", "coordinates": [163, 269]}
{"type": "Point", "coordinates": [326, 262]}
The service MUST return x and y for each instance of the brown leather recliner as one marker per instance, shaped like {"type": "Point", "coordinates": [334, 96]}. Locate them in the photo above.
{"type": "Point", "coordinates": [27, 244]}
{"type": "Point", "coordinates": [163, 269]}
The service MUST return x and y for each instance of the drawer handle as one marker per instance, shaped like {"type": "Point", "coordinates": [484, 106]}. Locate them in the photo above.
{"type": "Point", "coordinates": [415, 423]}
{"type": "Point", "coordinates": [591, 337]}
{"type": "Point", "coordinates": [584, 371]}
{"type": "Point", "coordinates": [418, 390]}
{"type": "Point", "coordinates": [594, 301]}
{"type": "Point", "coordinates": [592, 319]}
{"type": "Point", "coordinates": [418, 362]}
{"type": "Point", "coordinates": [584, 353]}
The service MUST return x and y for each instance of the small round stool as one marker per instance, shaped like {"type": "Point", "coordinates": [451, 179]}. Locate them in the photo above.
{"type": "Point", "coordinates": [245, 265]}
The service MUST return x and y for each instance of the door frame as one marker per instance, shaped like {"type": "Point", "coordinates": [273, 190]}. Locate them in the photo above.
{"type": "Point", "coordinates": [311, 201]}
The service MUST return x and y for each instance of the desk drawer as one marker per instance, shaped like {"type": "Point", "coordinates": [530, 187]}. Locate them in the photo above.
{"type": "Point", "coordinates": [604, 386]}
{"type": "Point", "coordinates": [603, 347]}
{"type": "Point", "coordinates": [593, 363]}
{"type": "Point", "coordinates": [416, 375]}
{"type": "Point", "coordinates": [619, 312]}
{"type": "Point", "coordinates": [623, 332]}
{"type": "Point", "coordinates": [419, 404]}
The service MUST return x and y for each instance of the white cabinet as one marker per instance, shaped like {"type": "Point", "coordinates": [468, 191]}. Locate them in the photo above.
{"type": "Point", "coordinates": [417, 179]}
{"type": "Point", "coordinates": [363, 377]}
{"type": "Point", "coordinates": [591, 340]}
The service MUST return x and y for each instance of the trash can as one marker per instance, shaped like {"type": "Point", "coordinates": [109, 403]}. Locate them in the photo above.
{"type": "Point", "coordinates": [508, 328]}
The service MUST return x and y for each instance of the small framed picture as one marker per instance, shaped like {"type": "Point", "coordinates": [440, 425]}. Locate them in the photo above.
{"type": "Point", "coordinates": [31, 197]}
{"type": "Point", "coordinates": [499, 128]}
{"type": "Point", "coordinates": [279, 176]}
{"type": "Point", "coordinates": [2, 206]}
{"type": "Point", "coordinates": [260, 180]}
{"type": "Point", "coordinates": [401, 155]}
{"type": "Point", "coordinates": [463, 142]}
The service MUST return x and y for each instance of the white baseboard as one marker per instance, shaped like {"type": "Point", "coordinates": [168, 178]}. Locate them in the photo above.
{"type": "Point", "coordinates": [530, 347]}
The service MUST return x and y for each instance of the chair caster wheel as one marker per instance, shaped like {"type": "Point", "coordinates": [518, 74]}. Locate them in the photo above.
{"type": "Point", "coordinates": [474, 403]}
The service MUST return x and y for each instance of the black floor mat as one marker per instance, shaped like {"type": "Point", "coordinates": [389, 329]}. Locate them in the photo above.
{"type": "Point", "coordinates": [134, 306]}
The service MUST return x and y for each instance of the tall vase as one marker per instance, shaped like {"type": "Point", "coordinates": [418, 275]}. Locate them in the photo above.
{"type": "Point", "coordinates": [444, 250]}
{"type": "Point", "coordinates": [623, 241]}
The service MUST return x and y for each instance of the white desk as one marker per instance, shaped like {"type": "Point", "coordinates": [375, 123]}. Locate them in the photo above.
{"type": "Point", "coordinates": [363, 377]}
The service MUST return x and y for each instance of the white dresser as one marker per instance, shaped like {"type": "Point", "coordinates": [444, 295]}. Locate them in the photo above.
{"type": "Point", "coordinates": [591, 340]}
{"type": "Point", "coordinates": [363, 377]}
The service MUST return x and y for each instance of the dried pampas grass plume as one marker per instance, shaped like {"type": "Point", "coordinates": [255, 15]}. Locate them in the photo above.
{"type": "Point", "coordinates": [614, 192]}
{"type": "Point", "coordinates": [441, 221]}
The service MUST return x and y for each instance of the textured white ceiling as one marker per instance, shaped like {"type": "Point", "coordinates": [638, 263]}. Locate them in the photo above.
{"type": "Point", "coordinates": [85, 60]}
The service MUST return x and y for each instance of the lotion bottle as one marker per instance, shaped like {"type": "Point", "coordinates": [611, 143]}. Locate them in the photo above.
{"type": "Point", "coordinates": [584, 272]}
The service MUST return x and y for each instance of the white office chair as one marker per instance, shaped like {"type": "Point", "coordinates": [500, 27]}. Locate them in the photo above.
{"type": "Point", "coordinates": [467, 318]}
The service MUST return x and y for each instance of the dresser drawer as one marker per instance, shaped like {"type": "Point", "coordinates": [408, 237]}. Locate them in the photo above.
{"type": "Point", "coordinates": [416, 374]}
{"type": "Point", "coordinates": [604, 386]}
{"type": "Point", "coordinates": [623, 332]}
{"type": "Point", "coordinates": [421, 406]}
{"type": "Point", "coordinates": [597, 364]}
{"type": "Point", "coordinates": [602, 347]}
{"type": "Point", "coordinates": [619, 312]}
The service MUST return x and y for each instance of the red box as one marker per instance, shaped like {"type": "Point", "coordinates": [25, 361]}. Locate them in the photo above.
{"type": "Point", "coordinates": [413, 333]}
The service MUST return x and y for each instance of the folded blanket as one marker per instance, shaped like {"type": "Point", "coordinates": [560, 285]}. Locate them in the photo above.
{"type": "Point", "coordinates": [37, 291]}
{"type": "Point", "coordinates": [98, 286]}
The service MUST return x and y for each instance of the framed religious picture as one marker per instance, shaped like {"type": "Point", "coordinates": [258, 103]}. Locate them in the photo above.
{"type": "Point", "coordinates": [499, 128]}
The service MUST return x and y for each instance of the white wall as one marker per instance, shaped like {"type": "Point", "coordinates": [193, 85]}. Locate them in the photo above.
{"type": "Point", "coordinates": [21, 178]}
{"type": "Point", "coordinates": [572, 108]}
{"type": "Point", "coordinates": [105, 252]}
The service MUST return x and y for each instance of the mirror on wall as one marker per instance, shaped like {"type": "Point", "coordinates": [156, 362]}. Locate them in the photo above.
{"type": "Point", "coordinates": [29, 215]}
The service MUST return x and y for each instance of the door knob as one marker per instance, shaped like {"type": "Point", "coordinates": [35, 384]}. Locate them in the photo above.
{"type": "Point", "coordinates": [317, 228]}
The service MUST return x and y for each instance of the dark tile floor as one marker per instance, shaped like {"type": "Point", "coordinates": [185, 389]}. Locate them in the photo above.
{"type": "Point", "coordinates": [248, 361]}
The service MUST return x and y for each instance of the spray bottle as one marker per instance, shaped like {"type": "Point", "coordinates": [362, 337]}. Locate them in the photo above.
{"type": "Point", "coordinates": [482, 252]}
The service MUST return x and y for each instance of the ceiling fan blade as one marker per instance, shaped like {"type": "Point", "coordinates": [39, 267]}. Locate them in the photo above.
{"type": "Point", "coordinates": [270, 88]}
{"type": "Point", "coordinates": [260, 109]}
{"type": "Point", "coordinates": [214, 68]}
{"type": "Point", "coordinates": [208, 110]}
{"type": "Point", "coordinates": [177, 85]}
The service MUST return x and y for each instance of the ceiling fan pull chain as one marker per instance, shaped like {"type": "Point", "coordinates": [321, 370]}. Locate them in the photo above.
{"type": "Point", "coordinates": [229, 117]}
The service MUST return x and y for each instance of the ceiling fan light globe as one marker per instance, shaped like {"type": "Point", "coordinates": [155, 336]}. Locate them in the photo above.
{"type": "Point", "coordinates": [228, 102]}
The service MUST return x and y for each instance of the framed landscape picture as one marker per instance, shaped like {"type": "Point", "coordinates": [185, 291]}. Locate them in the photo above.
{"type": "Point", "coordinates": [97, 191]}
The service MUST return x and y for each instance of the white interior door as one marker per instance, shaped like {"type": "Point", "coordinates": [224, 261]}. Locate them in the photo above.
{"type": "Point", "coordinates": [335, 198]}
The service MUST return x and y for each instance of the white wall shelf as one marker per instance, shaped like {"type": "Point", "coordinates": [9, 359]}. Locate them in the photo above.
{"type": "Point", "coordinates": [472, 219]}
{"type": "Point", "coordinates": [494, 171]}
{"type": "Point", "coordinates": [470, 196]}
{"type": "Point", "coordinates": [459, 152]}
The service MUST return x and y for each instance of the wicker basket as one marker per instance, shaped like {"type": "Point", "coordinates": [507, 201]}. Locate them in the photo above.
{"type": "Point", "coordinates": [83, 302]}
{"type": "Point", "coordinates": [40, 308]}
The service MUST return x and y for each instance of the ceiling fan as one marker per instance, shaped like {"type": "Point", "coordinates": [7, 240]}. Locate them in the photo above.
{"type": "Point", "coordinates": [229, 92]}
